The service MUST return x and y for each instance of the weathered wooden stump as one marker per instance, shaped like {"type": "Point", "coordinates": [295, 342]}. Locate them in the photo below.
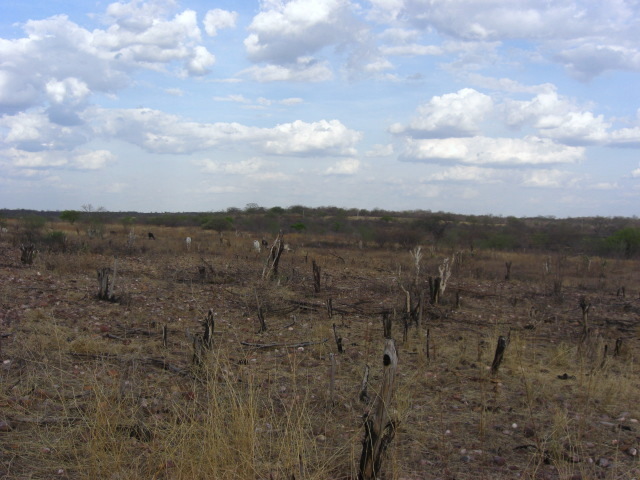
{"type": "Point", "coordinates": [379, 427]}
{"type": "Point", "coordinates": [27, 253]}
{"type": "Point", "coordinates": [207, 336]}
{"type": "Point", "coordinates": [105, 285]}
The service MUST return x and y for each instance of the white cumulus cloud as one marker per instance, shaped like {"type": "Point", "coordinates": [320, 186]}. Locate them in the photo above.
{"type": "Point", "coordinates": [348, 166]}
{"type": "Point", "coordinates": [451, 115]}
{"type": "Point", "coordinates": [491, 151]}
{"type": "Point", "coordinates": [218, 19]}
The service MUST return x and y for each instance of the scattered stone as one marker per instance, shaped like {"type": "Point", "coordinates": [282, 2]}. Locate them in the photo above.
{"type": "Point", "coordinates": [321, 438]}
{"type": "Point", "coordinates": [603, 462]}
{"type": "Point", "coordinates": [499, 461]}
{"type": "Point", "coordinates": [632, 451]}
{"type": "Point", "coordinates": [465, 458]}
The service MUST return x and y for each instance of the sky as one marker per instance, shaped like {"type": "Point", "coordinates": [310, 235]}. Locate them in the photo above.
{"type": "Point", "coordinates": [524, 108]}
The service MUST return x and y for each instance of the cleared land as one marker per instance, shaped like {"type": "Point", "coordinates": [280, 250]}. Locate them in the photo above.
{"type": "Point", "coordinates": [89, 390]}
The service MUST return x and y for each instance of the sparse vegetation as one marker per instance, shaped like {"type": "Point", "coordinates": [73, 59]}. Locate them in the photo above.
{"type": "Point", "coordinates": [94, 389]}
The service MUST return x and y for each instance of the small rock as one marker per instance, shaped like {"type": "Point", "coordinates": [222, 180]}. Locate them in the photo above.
{"type": "Point", "coordinates": [632, 451]}
{"type": "Point", "coordinates": [603, 462]}
{"type": "Point", "coordinates": [321, 438]}
{"type": "Point", "coordinates": [499, 461]}
{"type": "Point", "coordinates": [4, 426]}
{"type": "Point", "coordinates": [465, 458]}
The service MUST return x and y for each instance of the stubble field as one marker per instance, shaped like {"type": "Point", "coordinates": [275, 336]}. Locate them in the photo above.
{"type": "Point", "coordinates": [90, 390]}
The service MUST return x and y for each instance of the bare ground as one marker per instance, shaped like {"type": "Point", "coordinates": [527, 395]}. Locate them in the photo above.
{"type": "Point", "coordinates": [89, 391]}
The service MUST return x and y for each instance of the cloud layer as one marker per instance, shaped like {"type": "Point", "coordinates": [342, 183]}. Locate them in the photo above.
{"type": "Point", "coordinates": [405, 98]}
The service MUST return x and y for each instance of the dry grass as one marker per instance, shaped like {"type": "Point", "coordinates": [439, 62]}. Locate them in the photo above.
{"type": "Point", "coordinates": [89, 391]}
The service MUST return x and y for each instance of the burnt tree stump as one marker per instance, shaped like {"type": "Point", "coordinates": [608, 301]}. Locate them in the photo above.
{"type": "Point", "coordinates": [507, 275]}
{"type": "Point", "coordinates": [316, 276]}
{"type": "Point", "coordinates": [434, 290]}
{"type": "Point", "coordinates": [379, 428]}
{"type": "Point", "coordinates": [386, 324]}
{"type": "Point", "coordinates": [27, 253]}
{"type": "Point", "coordinates": [338, 339]}
{"type": "Point", "coordinates": [497, 359]}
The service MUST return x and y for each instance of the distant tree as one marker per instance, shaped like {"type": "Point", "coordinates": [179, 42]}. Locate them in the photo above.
{"type": "Point", "coordinates": [70, 216]}
{"type": "Point", "coordinates": [219, 224]}
{"type": "Point", "coordinates": [297, 209]}
{"type": "Point", "coordinates": [299, 227]}
{"type": "Point", "coordinates": [626, 241]}
{"type": "Point", "coordinates": [253, 208]}
{"type": "Point", "coordinates": [32, 226]}
{"type": "Point", "coordinates": [127, 222]}
{"type": "Point", "coordinates": [95, 219]}
{"type": "Point", "coordinates": [277, 210]}
{"type": "Point", "coordinates": [56, 241]}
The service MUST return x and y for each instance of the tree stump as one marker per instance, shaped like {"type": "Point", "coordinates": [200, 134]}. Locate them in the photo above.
{"type": "Point", "coordinates": [497, 359]}
{"type": "Point", "coordinates": [378, 426]}
{"type": "Point", "coordinates": [585, 305]}
{"type": "Point", "coordinates": [434, 290]}
{"type": "Point", "coordinates": [207, 337]}
{"type": "Point", "coordinates": [507, 276]}
{"type": "Point", "coordinates": [105, 288]}
{"type": "Point", "coordinates": [386, 324]}
{"type": "Point", "coordinates": [271, 267]}
{"type": "Point", "coordinates": [364, 395]}
{"type": "Point", "coordinates": [338, 339]}
{"type": "Point", "coordinates": [27, 253]}
{"type": "Point", "coordinates": [316, 276]}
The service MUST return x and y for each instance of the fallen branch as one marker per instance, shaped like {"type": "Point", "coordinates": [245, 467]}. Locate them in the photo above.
{"type": "Point", "coordinates": [283, 345]}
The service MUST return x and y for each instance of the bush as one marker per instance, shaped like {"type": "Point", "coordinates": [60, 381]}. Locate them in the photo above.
{"type": "Point", "coordinates": [625, 242]}
{"type": "Point", "coordinates": [299, 227]}
{"type": "Point", "coordinates": [56, 241]}
{"type": "Point", "coordinates": [32, 225]}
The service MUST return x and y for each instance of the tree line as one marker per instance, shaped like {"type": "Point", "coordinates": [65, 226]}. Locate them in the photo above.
{"type": "Point", "coordinates": [607, 236]}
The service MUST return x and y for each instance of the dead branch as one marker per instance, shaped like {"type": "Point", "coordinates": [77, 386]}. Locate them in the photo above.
{"type": "Point", "coordinates": [282, 345]}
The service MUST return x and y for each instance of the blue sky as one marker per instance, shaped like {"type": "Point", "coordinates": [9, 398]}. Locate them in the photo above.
{"type": "Point", "coordinates": [519, 108]}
